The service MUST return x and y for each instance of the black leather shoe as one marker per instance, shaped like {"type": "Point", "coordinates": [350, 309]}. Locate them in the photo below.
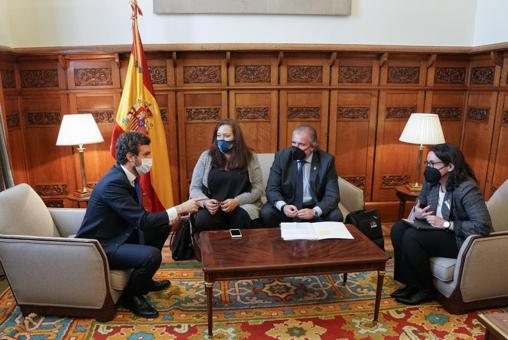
{"type": "Point", "coordinates": [403, 292]}
{"type": "Point", "coordinates": [159, 285]}
{"type": "Point", "coordinates": [139, 306]}
{"type": "Point", "coordinates": [420, 296]}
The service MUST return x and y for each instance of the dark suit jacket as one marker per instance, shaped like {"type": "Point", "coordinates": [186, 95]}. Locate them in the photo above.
{"type": "Point", "coordinates": [324, 187]}
{"type": "Point", "coordinates": [468, 210]}
{"type": "Point", "coordinates": [114, 213]}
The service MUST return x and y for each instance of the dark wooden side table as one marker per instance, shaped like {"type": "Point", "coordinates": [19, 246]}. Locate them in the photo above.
{"type": "Point", "coordinates": [405, 194]}
{"type": "Point", "coordinates": [496, 325]}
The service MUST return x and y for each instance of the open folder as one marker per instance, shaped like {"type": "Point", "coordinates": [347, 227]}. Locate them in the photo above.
{"type": "Point", "coordinates": [314, 231]}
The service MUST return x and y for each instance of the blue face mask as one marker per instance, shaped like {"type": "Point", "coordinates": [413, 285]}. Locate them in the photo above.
{"type": "Point", "coordinates": [224, 146]}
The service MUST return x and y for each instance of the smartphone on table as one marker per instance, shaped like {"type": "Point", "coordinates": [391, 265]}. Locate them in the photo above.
{"type": "Point", "coordinates": [235, 233]}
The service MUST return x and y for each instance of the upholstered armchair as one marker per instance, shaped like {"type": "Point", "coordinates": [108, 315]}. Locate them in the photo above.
{"type": "Point", "coordinates": [477, 277]}
{"type": "Point", "coordinates": [49, 271]}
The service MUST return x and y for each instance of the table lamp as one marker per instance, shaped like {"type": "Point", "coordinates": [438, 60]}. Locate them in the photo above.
{"type": "Point", "coordinates": [422, 128]}
{"type": "Point", "coordinates": [79, 129]}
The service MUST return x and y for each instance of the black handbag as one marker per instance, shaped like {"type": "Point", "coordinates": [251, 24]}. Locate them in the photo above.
{"type": "Point", "coordinates": [181, 242]}
{"type": "Point", "coordinates": [369, 223]}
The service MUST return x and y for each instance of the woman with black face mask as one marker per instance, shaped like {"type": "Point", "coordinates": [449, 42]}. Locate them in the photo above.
{"type": "Point", "coordinates": [452, 203]}
{"type": "Point", "coordinates": [228, 175]}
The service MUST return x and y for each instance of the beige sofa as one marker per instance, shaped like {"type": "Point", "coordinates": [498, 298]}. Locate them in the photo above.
{"type": "Point", "coordinates": [477, 277]}
{"type": "Point", "coordinates": [351, 197]}
{"type": "Point", "coordinates": [49, 271]}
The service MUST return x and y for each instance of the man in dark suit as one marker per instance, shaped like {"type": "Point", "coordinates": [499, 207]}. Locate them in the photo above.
{"type": "Point", "coordinates": [302, 185]}
{"type": "Point", "coordinates": [131, 237]}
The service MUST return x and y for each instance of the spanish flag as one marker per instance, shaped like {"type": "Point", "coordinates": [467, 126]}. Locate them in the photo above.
{"type": "Point", "coordinates": [138, 111]}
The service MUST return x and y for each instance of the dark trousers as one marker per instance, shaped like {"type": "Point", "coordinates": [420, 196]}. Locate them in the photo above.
{"type": "Point", "coordinates": [413, 249]}
{"type": "Point", "coordinates": [238, 218]}
{"type": "Point", "coordinates": [272, 217]}
{"type": "Point", "coordinates": [145, 258]}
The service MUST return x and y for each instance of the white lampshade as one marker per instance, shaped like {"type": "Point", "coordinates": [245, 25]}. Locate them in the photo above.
{"type": "Point", "coordinates": [78, 129]}
{"type": "Point", "coordinates": [423, 128]}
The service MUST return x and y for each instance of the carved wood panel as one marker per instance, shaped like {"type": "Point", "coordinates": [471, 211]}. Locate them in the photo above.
{"type": "Point", "coordinates": [450, 106]}
{"type": "Point", "coordinates": [395, 162]}
{"type": "Point", "coordinates": [203, 71]}
{"type": "Point", "coordinates": [305, 70]}
{"type": "Point", "coordinates": [303, 107]}
{"type": "Point", "coordinates": [403, 72]}
{"type": "Point", "coordinates": [478, 130]}
{"type": "Point", "coordinates": [253, 70]}
{"type": "Point", "coordinates": [87, 74]}
{"type": "Point", "coordinates": [8, 78]}
{"type": "Point", "coordinates": [357, 72]}
{"type": "Point", "coordinates": [198, 114]}
{"type": "Point", "coordinates": [352, 135]}
{"type": "Point", "coordinates": [15, 142]}
{"type": "Point", "coordinates": [162, 72]}
{"type": "Point", "coordinates": [257, 113]}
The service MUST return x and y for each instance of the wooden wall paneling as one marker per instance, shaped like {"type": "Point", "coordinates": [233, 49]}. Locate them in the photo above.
{"type": "Point", "coordinates": [253, 70]}
{"type": "Point", "coordinates": [305, 98]}
{"type": "Point", "coordinates": [352, 135]}
{"type": "Point", "coordinates": [257, 114]}
{"type": "Point", "coordinates": [162, 73]}
{"type": "Point", "coordinates": [448, 72]}
{"type": "Point", "coordinates": [201, 70]}
{"type": "Point", "coordinates": [395, 162]}
{"type": "Point", "coordinates": [98, 158]}
{"type": "Point", "coordinates": [450, 106]}
{"type": "Point", "coordinates": [93, 74]}
{"type": "Point", "coordinates": [355, 71]}
{"type": "Point", "coordinates": [47, 163]}
{"type": "Point", "coordinates": [299, 107]}
{"type": "Point", "coordinates": [15, 142]}
{"type": "Point", "coordinates": [404, 71]}
{"type": "Point", "coordinates": [41, 75]}
{"type": "Point", "coordinates": [478, 131]}
{"type": "Point", "coordinates": [498, 162]}
{"type": "Point", "coordinates": [484, 74]}
{"type": "Point", "coordinates": [167, 105]}
{"type": "Point", "coordinates": [198, 114]}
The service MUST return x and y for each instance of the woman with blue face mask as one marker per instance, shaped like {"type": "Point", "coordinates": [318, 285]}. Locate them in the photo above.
{"type": "Point", "coordinates": [228, 175]}
{"type": "Point", "coordinates": [452, 204]}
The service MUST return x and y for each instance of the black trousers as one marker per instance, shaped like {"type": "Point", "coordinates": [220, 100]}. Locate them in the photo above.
{"type": "Point", "coordinates": [144, 258]}
{"type": "Point", "coordinates": [272, 217]}
{"type": "Point", "coordinates": [413, 249]}
{"type": "Point", "coordinates": [238, 218]}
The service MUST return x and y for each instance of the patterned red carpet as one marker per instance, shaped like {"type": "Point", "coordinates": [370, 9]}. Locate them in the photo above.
{"type": "Point", "coordinates": [310, 307]}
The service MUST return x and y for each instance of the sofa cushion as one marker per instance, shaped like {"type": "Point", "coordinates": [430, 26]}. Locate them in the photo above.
{"type": "Point", "coordinates": [443, 268]}
{"type": "Point", "coordinates": [24, 213]}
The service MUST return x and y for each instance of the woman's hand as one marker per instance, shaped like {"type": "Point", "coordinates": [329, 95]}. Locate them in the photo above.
{"type": "Point", "coordinates": [229, 205]}
{"type": "Point", "coordinates": [421, 213]}
{"type": "Point", "coordinates": [435, 221]}
{"type": "Point", "coordinates": [212, 205]}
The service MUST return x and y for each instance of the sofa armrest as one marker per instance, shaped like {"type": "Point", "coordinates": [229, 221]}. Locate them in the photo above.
{"type": "Point", "coordinates": [67, 220]}
{"type": "Point", "coordinates": [480, 268]}
{"type": "Point", "coordinates": [351, 196]}
{"type": "Point", "coordinates": [55, 271]}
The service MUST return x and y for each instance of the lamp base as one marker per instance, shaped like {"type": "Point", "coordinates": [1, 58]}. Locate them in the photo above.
{"type": "Point", "coordinates": [414, 186]}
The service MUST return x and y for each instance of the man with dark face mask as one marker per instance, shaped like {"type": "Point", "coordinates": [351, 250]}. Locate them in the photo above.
{"type": "Point", "coordinates": [302, 185]}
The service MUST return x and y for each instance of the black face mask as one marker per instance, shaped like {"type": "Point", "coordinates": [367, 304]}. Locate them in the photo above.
{"type": "Point", "coordinates": [297, 154]}
{"type": "Point", "coordinates": [432, 175]}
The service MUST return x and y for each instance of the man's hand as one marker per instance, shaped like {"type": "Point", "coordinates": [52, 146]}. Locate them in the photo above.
{"type": "Point", "coordinates": [212, 205]}
{"type": "Point", "coordinates": [187, 207]}
{"type": "Point", "coordinates": [229, 205]}
{"type": "Point", "coordinates": [305, 214]}
{"type": "Point", "coordinates": [290, 210]}
{"type": "Point", "coordinates": [422, 213]}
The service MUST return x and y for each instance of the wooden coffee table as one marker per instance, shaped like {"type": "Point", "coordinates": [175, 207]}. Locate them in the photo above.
{"type": "Point", "coordinates": [261, 253]}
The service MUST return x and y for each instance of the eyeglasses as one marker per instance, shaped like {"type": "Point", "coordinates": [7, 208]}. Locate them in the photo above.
{"type": "Point", "coordinates": [432, 164]}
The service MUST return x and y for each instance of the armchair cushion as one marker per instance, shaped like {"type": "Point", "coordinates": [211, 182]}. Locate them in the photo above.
{"type": "Point", "coordinates": [443, 268]}
{"type": "Point", "coordinates": [24, 213]}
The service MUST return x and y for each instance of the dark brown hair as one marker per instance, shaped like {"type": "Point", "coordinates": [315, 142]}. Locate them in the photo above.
{"type": "Point", "coordinates": [449, 153]}
{"type": "Point", "coordinates": [241, 154]}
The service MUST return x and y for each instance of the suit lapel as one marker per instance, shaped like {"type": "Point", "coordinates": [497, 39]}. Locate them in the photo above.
{"type": "Point", "coordinates": [314, 172]}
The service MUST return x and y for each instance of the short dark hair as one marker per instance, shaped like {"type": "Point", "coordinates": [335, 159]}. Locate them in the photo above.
{"type": "Point", "coordinates": [129, 142]}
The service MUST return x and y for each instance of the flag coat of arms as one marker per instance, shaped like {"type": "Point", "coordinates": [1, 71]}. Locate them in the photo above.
{"type": "Point", "coordinates": [138, 111]}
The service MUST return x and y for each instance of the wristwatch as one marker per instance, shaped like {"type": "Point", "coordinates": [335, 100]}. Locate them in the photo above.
{"type": "Point", "coordinates": [446, 225]}
{"type": "Point", "coordinates": [316, 213]}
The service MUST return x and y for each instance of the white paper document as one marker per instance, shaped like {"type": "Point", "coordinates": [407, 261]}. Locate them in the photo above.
{"type": "Point", "coordinates": [314, 231]}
